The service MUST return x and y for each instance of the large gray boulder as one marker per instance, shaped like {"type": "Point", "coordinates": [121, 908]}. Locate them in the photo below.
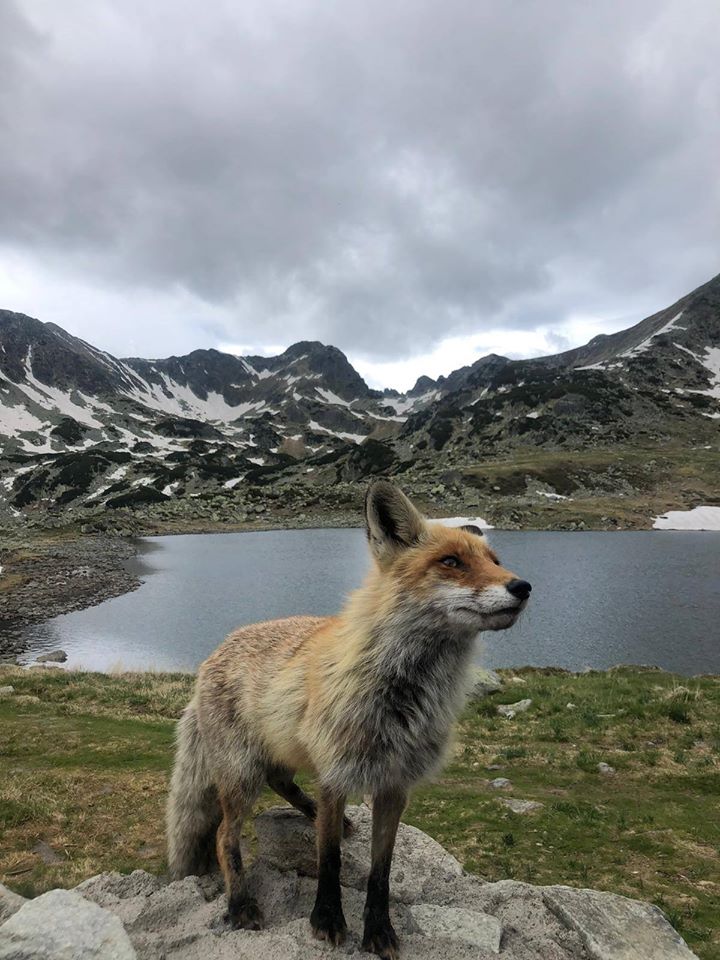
{"type": "Point", "coordinates": [419, 864]}
{"type": "Point", "coordinates": [63, 925]}
{"type": "Point", "coordinates": [440, 912]}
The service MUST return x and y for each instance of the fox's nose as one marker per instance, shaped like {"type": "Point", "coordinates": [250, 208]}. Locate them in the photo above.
{"type": "Point", "coordinates": [519, 588]}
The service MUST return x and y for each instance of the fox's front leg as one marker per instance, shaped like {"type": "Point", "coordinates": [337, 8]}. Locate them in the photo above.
{"type": "Point", "coordinates": [327, 919]}
{"type": "Point", "coordinates": [379, 936]}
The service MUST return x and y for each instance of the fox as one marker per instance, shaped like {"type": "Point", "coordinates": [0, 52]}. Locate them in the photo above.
{"type": "Point", "coordinates": [365, 701]}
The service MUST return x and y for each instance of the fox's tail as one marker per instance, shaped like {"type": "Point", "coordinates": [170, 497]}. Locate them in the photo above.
{"type": "Point", "coordinates": [193, 809]}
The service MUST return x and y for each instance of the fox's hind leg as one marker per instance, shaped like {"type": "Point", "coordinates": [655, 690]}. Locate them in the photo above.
{"type": "Point", "coordinates": [243, 910]}
{"type": "Point", "coordinates": [280, 779]}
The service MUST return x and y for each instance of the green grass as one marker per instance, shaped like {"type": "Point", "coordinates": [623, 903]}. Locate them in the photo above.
{"type": "Point", "coordinates": [86, 769]}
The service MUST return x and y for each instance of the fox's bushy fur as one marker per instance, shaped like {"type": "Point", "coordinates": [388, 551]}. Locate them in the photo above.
{"type": "Point", "coordinates": [365, 700]}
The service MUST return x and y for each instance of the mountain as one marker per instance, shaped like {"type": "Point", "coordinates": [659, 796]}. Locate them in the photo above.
{"type": "Point", "coordinates": [216, 435]}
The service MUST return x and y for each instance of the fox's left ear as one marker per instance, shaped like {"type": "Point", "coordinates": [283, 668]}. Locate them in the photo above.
{"type": "Point", "coordinates": [393, 523]}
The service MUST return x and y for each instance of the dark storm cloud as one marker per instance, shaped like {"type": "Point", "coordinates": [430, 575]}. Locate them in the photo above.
{"type": "Point", "coordinates": [375, 175]}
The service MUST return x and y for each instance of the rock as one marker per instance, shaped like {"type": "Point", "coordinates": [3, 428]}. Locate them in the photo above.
{"type": "Point", "coordinates": [437, 910]}
{"type": "Point", "coordinates": [480, 930]}
{"type": "Point", "coordinates": [616, 928]}
{"type": "Point", "coordinates": [10, 903]}
{"type": "Point", "coordinates": [605, 769]}
{"type": "Point", "coordinates": [509, 710]}
{"type": "Point", "coordinates": [521, 806]}
{"type": "Point", "coordinates": [518, 681]}
{"type": "Point", "coordinates": [54, 656]}
{"type": "Point", "coordinates": [46, 853]}
{"type": "Point", "coordinates": [500, 783]}
{"type": "Point", "coordinates": [570, 706]}
{"type": "Point", "coordinates": [483, 682]}
{"type": "Point", "coordinates": [62, 925]}
{"type": "Point", "coordinates": [7, 691]}
{"type": "Point", "coordinates": [286, 840]}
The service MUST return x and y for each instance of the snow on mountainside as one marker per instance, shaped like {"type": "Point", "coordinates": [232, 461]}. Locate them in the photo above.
{"type": "Point", "coordinates": [79, 427]}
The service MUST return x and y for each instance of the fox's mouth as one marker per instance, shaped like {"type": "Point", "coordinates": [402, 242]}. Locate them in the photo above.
{"type": "Point", "coordinates": [502, 611]}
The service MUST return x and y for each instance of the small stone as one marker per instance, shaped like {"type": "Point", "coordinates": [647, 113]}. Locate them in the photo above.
{"type": "Point", "coordinates": [46, 853]}
{"type": "Point", "coordinates": [7, 691]}
{"type": "Point", "coordinates": [520, 681]}
{"type": "Point", "coordinates": [54, 656]}
{"type": "Point", "coordinates": [570, 706]}
{"type": "Point", "coordinates": [605, 769]}
{"type": "Point", "coordinates": [509, 710]}
{"type": "Point", "coordinates": [484, 682]}
{"type": "Point", "coordinates": [500, 783]}
{"type": "Point", "coordinates": [521, 806]}
{"type": "Point", "coordinates": [480, 930]}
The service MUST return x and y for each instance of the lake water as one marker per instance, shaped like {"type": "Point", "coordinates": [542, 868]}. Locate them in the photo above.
{"type": "Point", "coordinates": [598, 598]}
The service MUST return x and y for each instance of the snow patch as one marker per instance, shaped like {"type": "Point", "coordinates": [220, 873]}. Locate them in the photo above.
{"type": "Point", "coordinates": [327, 396]}
{"type": "Point", "coordinates": [699, 518]}
{"type": "Point", "coordinates": [647, 343]}
{"type": "Point", "coordinates": [463, 522]}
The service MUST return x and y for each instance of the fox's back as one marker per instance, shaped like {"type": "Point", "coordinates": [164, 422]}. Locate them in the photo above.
{"type": "Point", "coordinates": [257, 677]}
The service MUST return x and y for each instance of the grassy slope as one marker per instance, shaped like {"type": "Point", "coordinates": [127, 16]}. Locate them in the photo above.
{"type": "Point", "coordinates": [83, 778]}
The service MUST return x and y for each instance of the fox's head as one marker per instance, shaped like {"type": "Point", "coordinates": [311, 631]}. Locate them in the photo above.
{"type": "Point", "coordinates": [450, 571]}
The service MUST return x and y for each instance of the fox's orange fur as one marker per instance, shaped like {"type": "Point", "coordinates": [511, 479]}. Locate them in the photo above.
{"type": "Point", "coordinates": [365, 700]}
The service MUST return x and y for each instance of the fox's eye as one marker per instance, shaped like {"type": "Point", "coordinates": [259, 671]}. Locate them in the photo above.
{"type": "Point", "coordinates": [450, 562]}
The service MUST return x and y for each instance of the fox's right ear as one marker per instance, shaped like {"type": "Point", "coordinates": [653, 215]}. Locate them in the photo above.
{"type": "Point", "coordinates": [393, 523]}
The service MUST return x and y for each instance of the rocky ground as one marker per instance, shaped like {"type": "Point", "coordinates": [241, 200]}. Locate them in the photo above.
{"type": "Point", "coordinates": [45, 576]}
{"type": "Point", "coordinates": [438, 910]}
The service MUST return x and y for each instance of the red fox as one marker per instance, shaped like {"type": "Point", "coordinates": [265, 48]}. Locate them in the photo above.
{"type": "Point", "coordinates": [364, 700]}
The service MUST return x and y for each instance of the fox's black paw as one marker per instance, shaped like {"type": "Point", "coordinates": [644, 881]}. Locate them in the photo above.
{"type": "Point", "coordinates": [245, 915]}
{"type": "Point", "coordinates": [380, 938]}
{"type": "Point", "coordinates": [328, 923]}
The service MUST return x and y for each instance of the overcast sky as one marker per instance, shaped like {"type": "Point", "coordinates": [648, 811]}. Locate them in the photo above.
{"type": "Point", "coordinates": [418, 183]}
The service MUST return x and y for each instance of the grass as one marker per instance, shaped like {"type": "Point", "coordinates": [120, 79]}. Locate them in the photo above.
{"type": "Point", "coordinates": [83, 780]}
{"type": "Point", "coordinates": [640, 483]}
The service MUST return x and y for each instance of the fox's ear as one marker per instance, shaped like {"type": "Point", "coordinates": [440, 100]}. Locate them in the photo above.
{"type": "Point", "coordinates": [393, 523]}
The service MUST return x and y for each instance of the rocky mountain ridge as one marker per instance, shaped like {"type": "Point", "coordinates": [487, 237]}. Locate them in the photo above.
{"type": "Point", "coordinates": [83, 431]}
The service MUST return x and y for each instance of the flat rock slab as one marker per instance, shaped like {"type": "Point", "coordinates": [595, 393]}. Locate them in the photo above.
{"type": "Point", "coordinates": [511, 710]}
{"type": "Point", "coordinates": [62, 925]}
{"type": "Point", "coordinates": [521, 806]}
{"type": "Point", "coordinates": [616, 928]}
{"type": "Point", "coordinates": [477, 929]}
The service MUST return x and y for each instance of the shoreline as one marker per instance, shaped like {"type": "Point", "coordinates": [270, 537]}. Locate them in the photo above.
{"type": "Point", "coordinates": [45, 573]}
{"type": "Point", "coordinates": [46, 576]}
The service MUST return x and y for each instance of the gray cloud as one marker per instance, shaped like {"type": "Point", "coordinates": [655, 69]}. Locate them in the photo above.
{"type": "Point", "coordinates": [378, 176]}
